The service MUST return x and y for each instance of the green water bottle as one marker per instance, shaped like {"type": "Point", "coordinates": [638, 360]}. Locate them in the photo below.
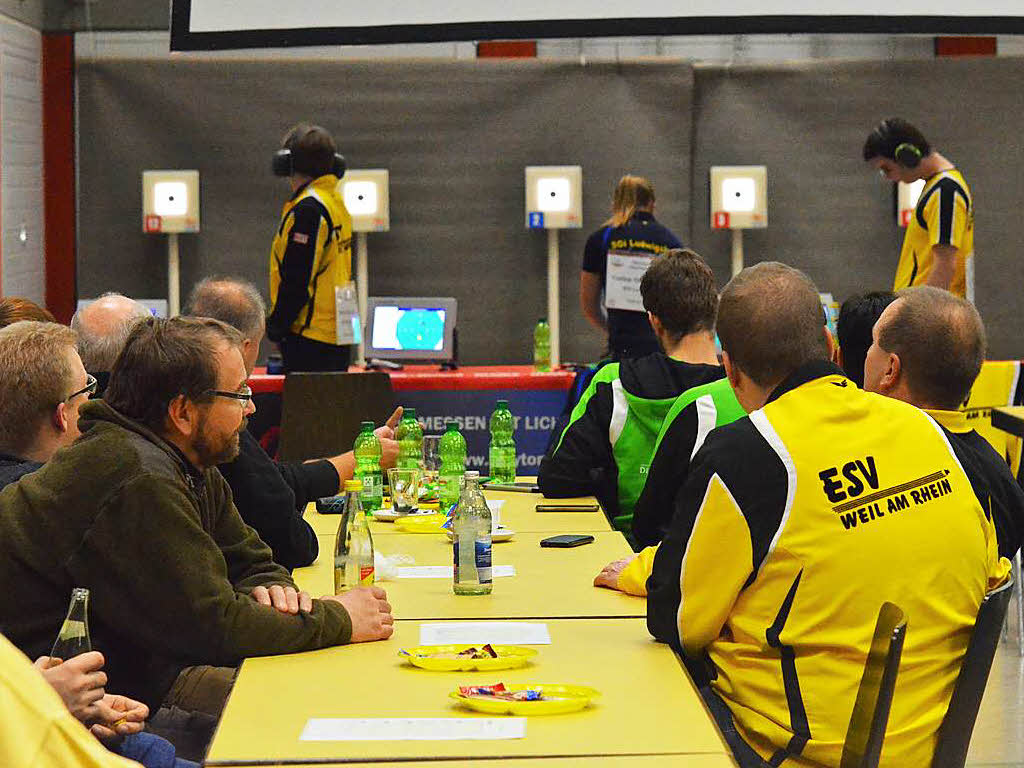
{"type": "Point", "coordinates": [409, 435]}
{"type": "Point", "coordinates": [452, 449]}
{"type": "Point", "coordinates": [502, 454]}
{"type": "Point", "coordinates": [542, 346]}
{"type": "Point", "coordinates": [367, 451]}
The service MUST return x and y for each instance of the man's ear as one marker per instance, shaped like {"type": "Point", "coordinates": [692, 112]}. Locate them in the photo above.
{"type": "Point", "coordinates": [893, 372]}
{"type": "Point", "coordinates": [833, 348]}
{"type": "Point", "coordinates": [182, 415]}
{"type": "Point", "coordinates": [59, 418]}
{"type": "Point", "coordinates": [655, 324]}
{"type": "Point", "coordinates": [731, 371]}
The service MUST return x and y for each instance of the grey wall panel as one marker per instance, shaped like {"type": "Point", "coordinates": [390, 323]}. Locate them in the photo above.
{"type": "Point", "coordinates": [455, 136]}
{"type": "Point", "coordinates": [828, 212]}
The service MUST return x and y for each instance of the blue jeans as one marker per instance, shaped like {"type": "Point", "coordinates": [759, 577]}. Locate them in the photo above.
{"type": "Point", "coordinates": [152, 751]}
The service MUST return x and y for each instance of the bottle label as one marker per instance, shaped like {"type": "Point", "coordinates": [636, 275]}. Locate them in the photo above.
{"type": "Point", "coordinates": [483, 560]}
{"type": "Point", "coordinates": [366, 575]}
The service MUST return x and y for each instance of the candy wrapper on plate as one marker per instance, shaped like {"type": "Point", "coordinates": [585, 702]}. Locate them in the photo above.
{"type": "Point", "coordinates": [499, 691]}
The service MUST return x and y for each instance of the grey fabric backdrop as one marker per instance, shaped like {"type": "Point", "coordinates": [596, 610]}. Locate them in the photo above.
{"type": "Point", "coordinates": [828, 212]}
{"type": "Point", "coordinates": [456, 136]}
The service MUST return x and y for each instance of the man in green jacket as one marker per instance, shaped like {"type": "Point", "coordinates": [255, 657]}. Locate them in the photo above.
{"type": "Point", "coordinates": [136, 512]}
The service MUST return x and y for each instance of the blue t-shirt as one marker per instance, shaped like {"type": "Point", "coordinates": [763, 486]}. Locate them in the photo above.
{"type": "Point", "coordinates": [629, 332]}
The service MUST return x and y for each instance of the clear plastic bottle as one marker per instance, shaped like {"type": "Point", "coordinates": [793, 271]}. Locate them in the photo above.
{"type": "Point", "coordinates": [353, 550]}
{"type": "Point", "coordinates": [452, 449]}
{"type": "Point", "coordinates": [502, 454]}
{"type": "Point", "coordinates": [542, 346]}
{"type": "Point", "coordinates": [409, 435]}
{"type": "Point", "coordinates": [367, 451]}
{"type": "Point", "coordinates": [471, 540]}
{"type": "Point", "coordinates": [73, 638]}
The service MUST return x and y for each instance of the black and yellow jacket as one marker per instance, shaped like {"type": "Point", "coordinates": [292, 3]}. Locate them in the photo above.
{"type": "Point", "coordinates": [311, 255]}
{"type": "Point", "coordinates": [797, 523]}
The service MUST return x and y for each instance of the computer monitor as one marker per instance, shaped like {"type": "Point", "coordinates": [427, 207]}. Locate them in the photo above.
{"type": "Point", "coordinates": [403, 328]}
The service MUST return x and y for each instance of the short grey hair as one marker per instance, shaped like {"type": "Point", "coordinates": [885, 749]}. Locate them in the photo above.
{"type": "Point", "coordinates": [232, 300]}
{"type": "Point", "coordinates": [99, 343]}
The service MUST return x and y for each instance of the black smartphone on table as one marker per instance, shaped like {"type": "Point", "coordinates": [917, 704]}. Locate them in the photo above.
{"type": "Point", "coordinates": [520, 487]}
{"type": "Point", "coordinates": [567, 540]}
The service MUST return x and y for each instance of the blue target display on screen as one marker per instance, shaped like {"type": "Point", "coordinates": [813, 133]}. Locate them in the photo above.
{"type": "Point", "coordinates": [410, 328]}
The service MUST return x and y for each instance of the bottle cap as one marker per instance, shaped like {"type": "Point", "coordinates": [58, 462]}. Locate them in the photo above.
{"type": "Point", "coordinates": [367, 425]}
{"type": "Point", "coordinates": [503, 403]}
{"type": "Point", "coordinates": [451, 425]}
{"type": "Point", "coordinates": [353, 485]}
{"type": "Point", "coordinates": [542, 319]}
{"type": "Point", "coordinates": [408, 413]}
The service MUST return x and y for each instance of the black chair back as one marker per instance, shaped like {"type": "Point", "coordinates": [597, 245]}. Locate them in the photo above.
{"type": "Point", "coordinates": [864, 736]}
{"type": "Point", "coordinates": [958, 724]}
{"type": "Point", "coordinates": [321, 412]}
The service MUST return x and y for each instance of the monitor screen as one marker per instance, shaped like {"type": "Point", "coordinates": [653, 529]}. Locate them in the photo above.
{"type": "Point", "coordinates": [407, 328]}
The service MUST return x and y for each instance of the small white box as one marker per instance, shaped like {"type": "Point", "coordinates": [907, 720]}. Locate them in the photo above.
{"type": "Point", "coordinates": [739, 197]}
{"type": "Point", "coordinates": [170, 201]}
{"type": "Point", "coordinates": [367, 199]}
{"type": "Point", "coordinates": [554, 197]}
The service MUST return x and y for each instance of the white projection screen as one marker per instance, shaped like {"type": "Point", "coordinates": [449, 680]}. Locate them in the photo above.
{"type": "Point", "coordinates": [221, 24]}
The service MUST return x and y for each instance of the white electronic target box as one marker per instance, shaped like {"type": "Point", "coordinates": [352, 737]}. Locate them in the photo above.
{"type": "Point", "coordinates": [366, 196]}
{"type": "Point", "coordinates": [739, 197]}
{"type": "Point", "coordinates": [170, 202]}
{"type": "Point", "coordinates": [554, 197]}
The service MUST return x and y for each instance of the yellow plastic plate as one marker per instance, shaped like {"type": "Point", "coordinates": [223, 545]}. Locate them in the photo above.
{"type": "Point", "coordinates": [509, 657]}
{"type": "Point", "coordinates": [420, 524]}
{"type": "Point", "coordinates": [564, 698]}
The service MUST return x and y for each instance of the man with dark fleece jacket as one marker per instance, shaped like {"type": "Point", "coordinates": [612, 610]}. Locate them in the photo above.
{"type": "Point", "coordinates": [136, 511]}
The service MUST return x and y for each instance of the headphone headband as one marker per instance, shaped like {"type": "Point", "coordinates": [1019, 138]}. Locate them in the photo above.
{"type": "Point", "coordinates": [281, 164]}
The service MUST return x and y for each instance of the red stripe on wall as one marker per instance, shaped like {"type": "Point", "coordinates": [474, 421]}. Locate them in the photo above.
{"type": "Point", "coordinates": [59, 173]}
{"type": "Point", "coordinates": [507, 49]}
{"type": "Point", "coordinates": [965, 46]}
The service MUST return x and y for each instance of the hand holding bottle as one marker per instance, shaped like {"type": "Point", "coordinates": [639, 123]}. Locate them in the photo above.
{"type": "Point", "coordinates": [78, 681]}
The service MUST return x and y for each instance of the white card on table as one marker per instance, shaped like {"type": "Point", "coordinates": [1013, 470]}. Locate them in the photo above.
{"type": "Point", "coordinates": [494, 632]}
{"type": "Point", "coordinates": [412, 728]}
{"type": "Point", "coordinates": [446, 571]}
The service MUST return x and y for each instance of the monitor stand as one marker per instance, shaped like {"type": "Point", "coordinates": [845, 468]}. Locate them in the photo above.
{"type": "Point", "coordinates": [376, 364]}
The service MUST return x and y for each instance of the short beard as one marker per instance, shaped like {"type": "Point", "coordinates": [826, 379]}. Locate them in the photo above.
{"type": "Point", "coordinates": [205, 452]}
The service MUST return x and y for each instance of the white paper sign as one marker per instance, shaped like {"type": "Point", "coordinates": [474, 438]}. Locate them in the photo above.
{"type": "Point", "coordinates": [446, 571]}
{"type": "Point", "coordinates": [495, 632]}
{"type": "Point", "coordinates": [413, 728]}
{"type": "Point", "coordinates": [622, 279]}
{"type": "Point", "coordinates": [347, 328]}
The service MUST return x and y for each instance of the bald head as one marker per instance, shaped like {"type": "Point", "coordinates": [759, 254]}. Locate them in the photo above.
{"type": "Point", "coordinates": [231, 300]}
{"type": "Point", "coordinates": [932, 345]}
{"type": "Point", "coordinates": [103, 327]}
{"type": "Point", "coordinates": [770, 322]}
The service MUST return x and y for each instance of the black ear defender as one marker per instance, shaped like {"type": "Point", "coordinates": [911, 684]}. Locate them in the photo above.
{"type": "Point", "coordinates": [907, 155]}
{"type": "Point", "coordinates": [281, 163]}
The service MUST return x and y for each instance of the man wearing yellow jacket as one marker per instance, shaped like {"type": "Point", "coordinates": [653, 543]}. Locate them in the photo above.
{"type": "Point", "coordinates": [311, 257]}
{"type": "Point", "coordinates": [797, 523]}
{"type": "Point", "coordinates": [937, 376]}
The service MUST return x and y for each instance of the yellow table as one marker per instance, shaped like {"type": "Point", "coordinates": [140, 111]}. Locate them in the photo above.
{"type": "Point", "coordinates": [648, 706]}
{"type": "Point", "coordinates": [549, 583]}
{"type": "Point", "coordinates": [630, 761]}
{"type": "Point", "coordinates": [518, 513]}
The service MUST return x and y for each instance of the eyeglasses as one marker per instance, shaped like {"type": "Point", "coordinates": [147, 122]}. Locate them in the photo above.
{"type": "Point", "coordinates": [244, 394]}
{"type": "Point", "coordinates": [89, 388]}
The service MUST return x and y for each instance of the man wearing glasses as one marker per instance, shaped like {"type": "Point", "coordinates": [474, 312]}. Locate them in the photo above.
{"type": "Point", "coordinates": [43, 383]}
{"type": "Point", "coordinates": [181, 589]}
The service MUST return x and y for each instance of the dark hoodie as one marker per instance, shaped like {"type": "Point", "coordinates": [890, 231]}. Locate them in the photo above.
{"type": "Point", "coordinates": [166, 557]}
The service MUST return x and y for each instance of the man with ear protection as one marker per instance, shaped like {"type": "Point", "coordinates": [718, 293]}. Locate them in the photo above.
{"type": "Point", "coordinates": [938, 248]}
{"type": "Point", "coordinates": [311, 257]}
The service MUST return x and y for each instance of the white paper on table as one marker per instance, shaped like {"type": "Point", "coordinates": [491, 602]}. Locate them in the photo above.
{"type": "Point", "coordinates": [495, 506]}
{"type": "Point", "coordinates": [446, 571]}
{"type": "Point", "coordinates": [412, 728]}
{"type": "Point", "coordinates": [495, 632]}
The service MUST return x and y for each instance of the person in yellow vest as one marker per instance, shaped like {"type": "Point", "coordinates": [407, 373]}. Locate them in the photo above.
{"type": "Point", "coordinates": [938, 247]}
{"type": "Point", "coordinates": [311, 292]}
{"type": "Point", "coordinates": [796, 523]}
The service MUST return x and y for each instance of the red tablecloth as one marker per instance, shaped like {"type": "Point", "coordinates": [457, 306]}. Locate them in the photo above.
{"type": "Point", "coordinates": [419, 378]}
